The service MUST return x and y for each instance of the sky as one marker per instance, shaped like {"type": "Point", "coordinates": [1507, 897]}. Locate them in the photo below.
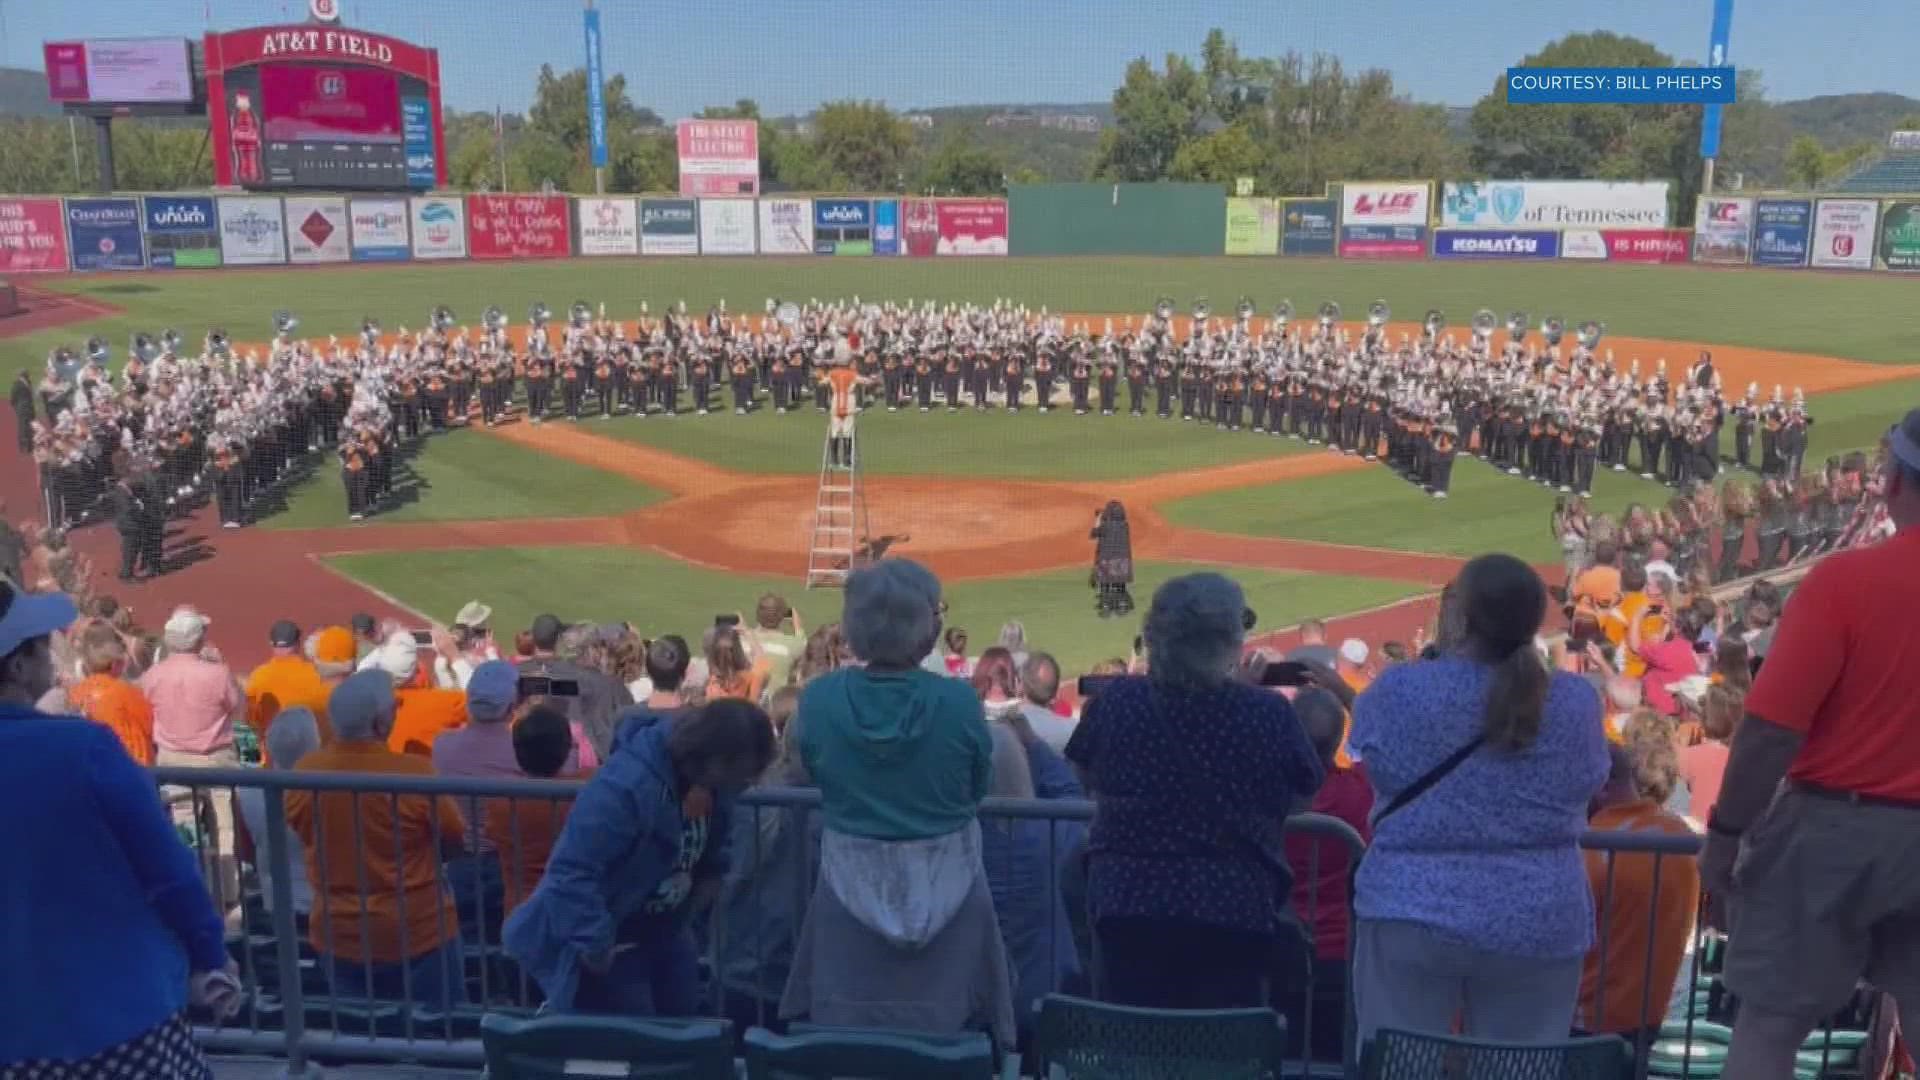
{"type": "Point", "coordinates": [791, 55]}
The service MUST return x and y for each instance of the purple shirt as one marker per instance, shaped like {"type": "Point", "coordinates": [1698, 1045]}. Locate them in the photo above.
{"type": "Point", "coordinates": [479, 751]}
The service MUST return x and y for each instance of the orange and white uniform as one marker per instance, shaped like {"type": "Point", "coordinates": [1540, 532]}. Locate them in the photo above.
{"type": "Point", "coordinates": [841, 410]}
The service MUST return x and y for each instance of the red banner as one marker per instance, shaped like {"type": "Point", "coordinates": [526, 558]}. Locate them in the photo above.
{"type": "Point", "coordinates": [33, 236]}
{"type": "Point", "coordinates": [1648, 245]}
{"type": "Point", "coordinates": [971, 226]}
{"type": "Point", "coordinates": [919, 227]}
{"type": "Point", "coordinates": [518, 227]}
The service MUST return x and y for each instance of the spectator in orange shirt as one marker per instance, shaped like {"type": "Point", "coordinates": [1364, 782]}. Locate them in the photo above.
{"type": "Point", "coordinates": [289, 680]}
{"type": "Point", "coordinates": [524, 830]}
{"type": "Point", "coordinates": [1352, 664]}
{"type": "Point", "coordinates": [1643, 915]}
{"type": "Point", "coordinates": [105, 697]}
{"type": "Point", "coordinates": [731, 670]}
{"type": "Point", "coordinates": [381, 921]}
{"type": "Point", "coordinates": [425, 712]}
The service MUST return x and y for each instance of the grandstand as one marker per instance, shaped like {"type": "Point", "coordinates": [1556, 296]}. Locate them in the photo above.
{"type": "Point", "coordinates": [1896, 172]}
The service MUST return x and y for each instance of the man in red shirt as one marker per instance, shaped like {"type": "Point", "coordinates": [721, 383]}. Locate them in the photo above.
{"type": "Point", "coordinates": [1828, 883]}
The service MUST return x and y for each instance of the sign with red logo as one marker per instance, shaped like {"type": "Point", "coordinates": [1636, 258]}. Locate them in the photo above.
{"type": "Point", "coordinates": [919, 227]}
{"type": "Point", "coordinates": [1385, 204]}
{"type": "Point", "coordinates": [1628, 245]}
{"type": "Point", "coordinates": [971, 226]}
{"type": "Point", "coordinates": [719, 157]}
{"type": "Point", "coordinates": [518, 227]}
{"type": "Point", "coordinates": [33, 236]}
{"type": "Point", "coordinates": [317, 230]}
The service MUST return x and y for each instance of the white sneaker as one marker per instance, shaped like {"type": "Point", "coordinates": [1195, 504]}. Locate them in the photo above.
{"type": "Point", "coordinates": [1513, 472]}
{"type": "Point", "coordinates": [357, 517]}
{"type": "Point", "coordinates": [230, 525]}
{"type": "Point", "coordinates": [1439, 494]}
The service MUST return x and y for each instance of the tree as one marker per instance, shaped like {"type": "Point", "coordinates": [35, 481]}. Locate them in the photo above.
{"type": "Point", "coordinates": [1221, 157]}
{"type": "Point", "coordinates": [862, 145]}
{"type": "Point", "coordinates": [1806, 163]}
{"type": "Point", "coordinates": [1154, 115]}
{"type": "Point", "coordinates": [1573, 141]}
{"type": "Point", "coordinates": [961, 167]}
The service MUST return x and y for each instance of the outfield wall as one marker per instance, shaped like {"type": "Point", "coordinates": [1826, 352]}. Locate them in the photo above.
{"type": "Point", "coordinates": [1513, 221]}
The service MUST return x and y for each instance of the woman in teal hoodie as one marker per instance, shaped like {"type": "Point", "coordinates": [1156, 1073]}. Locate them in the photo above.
{"type": "Point", "coordinates": [901, 931]}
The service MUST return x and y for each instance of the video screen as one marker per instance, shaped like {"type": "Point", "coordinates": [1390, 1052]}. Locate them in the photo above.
{"type": "Point", "coordinates": [303, 103]}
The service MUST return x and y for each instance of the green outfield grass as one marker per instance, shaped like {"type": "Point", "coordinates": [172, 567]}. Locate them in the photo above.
{"type": "Point", "coordinates": [1026, 445]}
{"type": "Point", "coordinates": [469, 476]}
{"type": "Point", "coordinates": [660, 595]}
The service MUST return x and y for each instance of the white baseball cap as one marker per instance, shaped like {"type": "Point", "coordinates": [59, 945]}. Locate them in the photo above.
{"type": "Point", "coordinates": [185, 622]}
{"type": "Point", "coordinates": [1354, 651]}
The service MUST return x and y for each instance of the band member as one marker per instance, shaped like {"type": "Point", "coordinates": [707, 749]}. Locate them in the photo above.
{"type": "Point", "coordinates": [229, 483]}
{"type": "Point", "coordinates": [1163, 387]}
{"type": "Point", "coordinates": [21, 398]}
{"type": "Point", "coordinates": [1109, 384]}
{"type": "Point", "coordinates": [950, 379]}
{"type": "Point", "coordinates": [490, 396]}
{"type": "Point", "coordinates": [539, 389]}
{"type": "Point", "coordinates": [1112, 561]}
{"type": "Point", "coordinates": [603, 387]}
{"type": "Point", "coordinates": [436, 398]}
{"type": "Point", "coordinates": [777, 378]}
{"type": "Point", "coordinates": [1015, 379]}
{"type": "Point", "coordinates": [355, 478]}
{"type": "Point", "coordinates": [1445, 440]}
{"type": "Point", "coordinates": [981, 375]}
{"type": "Point", "coordinates": [742, 374]}
{"type": "Point", "coordinates": [1079, 376]}
{"type": "Point", "coordinates": [1137, 385]}
{"type": "Point", "coordinates": [573, 383]}
{"type": "Point", "coordinates": [923, 382]}
{"type": "Point", "coordinates": [666, 385]}
{"type": "Point", "coordinates": [700, 375]}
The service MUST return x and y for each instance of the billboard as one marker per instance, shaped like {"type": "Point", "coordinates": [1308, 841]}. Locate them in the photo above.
{"type": "Point", "coordinates": [786, 227]}
{"type": "Point", "coordinates": [1383, 241]}
{"type": "Point", "coordinates": [125, 71]}
{"type": "Point", "coordinates": [1253, 227]}
{"type": "Point", "coordinates": [252, 232]}
{"type": "Point", "coordinates": [886, 226]}
{"type": "Point", "coordinates": [416, 124]}
{"type": "Point", "coordinates": [379, 232]}
{"type": "Point", "coordinates": [439, 227]}
{"type": "Point", "coordinates": [719, 157]}
{"type": "Point", "coordinates": [844, 227]}
{"type": "Point", "coordinates": [518, 227]}
{"type": "Point", "coordinates": [33, 236]}
{"type": "Point", "coordinates": [317, 230]}
{"type": "Point", "coordinates": [609, 226]}
{"type": "Point", "coordinates": [726, 227]}
{"type": "Point", "coordinates": [1628, 245]}
{"type": "Point", "coordinates": [919, 228]}
{"type": "Point", "coordinates": [971, 226]}
{"type": "Point", "coordinates": [1554, 204]}
{"type": "Point", "coordinates": [1782, 231]}
{"type": "Point", "coordinates": [104, 234]}
{"type": "Point", "coordinates": [182, 231]}
{"type": "Point", "coordinates": [1900, 235]}
{"type": "Point", "coordinates": [669, 227]}
{"type": "Point", "coordinates": [1723, 230]}
{"type": "Point", "coordinates": [1308, 226]}
{"type": "Point", "coordinates": [1496, 244]}
{"type": "Point", "coordinates": [1385, 204]}
{"type": "Point", "coordinates": [1843, 233]}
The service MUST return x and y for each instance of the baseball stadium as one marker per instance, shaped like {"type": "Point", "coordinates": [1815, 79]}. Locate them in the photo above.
{"type": "Point", "coordinates": [585, 446]}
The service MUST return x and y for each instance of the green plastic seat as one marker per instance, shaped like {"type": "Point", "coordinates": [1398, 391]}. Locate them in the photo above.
{"type": "Point", "coordinates": [1089, 1040]}
{"type": "Point", "coordinates": [570, 1047]}
{"type": "Point", "coordinates": [1401, 1055]}
{"type": "Point", "coordinates": [866, 1055]}
{"type": "Point", "coordinates": [1700, 1031]}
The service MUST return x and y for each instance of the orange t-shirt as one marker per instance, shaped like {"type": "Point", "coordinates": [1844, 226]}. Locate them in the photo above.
{"type": "Point", "coordinates": [524, 831]}
{"type": "Point", "coordinates": [423, 716]}
{"type": "Point", "coordinates": [404, 911]}
{"type": "Point", "coordinates": [282, 683]}
{"type": "Point", "coordinates": [1841, 670]}
{"type": "Point", "coordinates": [1596, 589]}
{"type": "Point", "coordinates": [746, 687]}
{"type": "Point", "coordinates": [1615, 624]}
{"type": "Point", "coordinates": [1625, 910]}
{"type": "Point", "coordinates": [840, 380]}
{"type": "Point", "coordinates": [121, 706]}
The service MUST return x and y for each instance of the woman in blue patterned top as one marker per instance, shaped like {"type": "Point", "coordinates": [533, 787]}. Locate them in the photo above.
{"type": "Point", "coordinates": [1473, 896]}
{"type": "Point", "coordinates": [1192, 773]}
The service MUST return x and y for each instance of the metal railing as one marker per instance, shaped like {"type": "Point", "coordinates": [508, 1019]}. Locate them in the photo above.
{"type": "Point", "coordinates": [304, 1000]}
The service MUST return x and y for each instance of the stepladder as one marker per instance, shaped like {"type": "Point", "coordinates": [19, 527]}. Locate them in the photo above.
{"type": "Point", "coordinates": [839, 512]}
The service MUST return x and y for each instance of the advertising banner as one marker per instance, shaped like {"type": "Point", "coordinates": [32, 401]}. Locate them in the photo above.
{"type": "Point", "coordinates": [596, 92]}
{"type": "Point", "coordinates": [669, 227]}
{"type": "Point", "coordinates": [379, 230]}
{"type": "Point", "coordinates": [1496, 244]}
{"type": "Point", "coordinates": [33, 236]}
{"type": "Point", "coordinates": [1385, 204]}
{"type": "Point", "coordinates": [1723, 231]}
{"type": "Point", "coordinates": [119, 70]}
{"type": "Point", "coordinates": [1253, 227]}
{"type": "Point", "coordinates": [252, 232]}
{"type": "Point", "coordinates": [719, 157]}
{"type": "Point", "coordinates": [317, 230]}
{"type": "Point", "coordinates": [182, 231]}
{"type": "Point", "coordinates": [1554, 204]}
{"type": "Point", "coordinates": [1308, 226]}
{"type": "Point", "coordinates": [886, 227]}
{"type": "Point", "coordinates": [1782, 231]}
{"type": "Point", "coordinates": [439, 227]}
{"type": "Point", "coordinates": [971, 226]}
{"type": "Point", "coordinates": [416, 125]}
{"type": "Point", "coordinates": [1843, 233]}
{"type": "Point", "coordinates": [844, 227]}
{"type": "Point", "coordinates": [104, 234]}
{"type": "Point", "coordinates": [518, 227]}
{"type": "Point", "coordinates": [786, 227]}
{"type": "Point", "coordinates": [609, 226]}
{"type": "Point", "coordinates": [1628, 245]}
{"type": "Point", "coordinates": [726, 227]}
{"type": "Point", "coordinates": [1900, 236]}
{"type": "Point", "coordinates": [919, 228]}
{"type": "Point", "coordinates": [1383, 241]}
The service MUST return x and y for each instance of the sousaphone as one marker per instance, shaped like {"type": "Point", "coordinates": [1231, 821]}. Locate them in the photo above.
{"type": "Point", "coordinates": [1517, 326]}
{"type": "Point", "coordinates": [1377, 313]}
{"type": "Point", "coordinates": [580, 314]}
{"type": "Point", "coordinates": [493, 318]}
{"type": "Point", "coordinates": [1484, 321]}
{"type": "Point", "coordinates": [1435, 322]}
{"type": "Point", "coordinates": [1589, 333]}
{"type": "Point", "coordinates": [144, 348]}
{"type": "Point", "coordinates": [539, 313]}
{"type": "Point", "coordinates": [1283, 313]}
{"type": "Point", "coordinates": [441, 319]}
{"type": "Point", "coordinates": [1329, 314]}
{"type": "Point", "coordinates": [284, 323]}
{"type": "Point", "coordinates": [1553, 328]}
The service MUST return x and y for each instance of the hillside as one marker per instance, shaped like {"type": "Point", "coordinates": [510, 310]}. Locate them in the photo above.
{"type": "Point", "coordinates": [1057, 142]}
{"type": "Point", "coordinates": [1842, 119]}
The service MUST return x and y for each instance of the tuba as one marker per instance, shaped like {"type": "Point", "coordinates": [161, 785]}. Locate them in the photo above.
{"type": "Point", "coordinates": [1553, 327]}
{"type": "Point", "coordinates": [539, 313]}
{"type": "Point", "coordinates": [787, 314]}
{"type": "Point", "coordinates": [493, 318]}
{"type": "Point", "coordinates": [1282, 313]}
{"type": "Point", "coordinates": [1588, 335]}
{"type": "Point", "coordinates": [580, 314]}
{"type": "Point", "coordinates": [1329, 314]}
{"type": "Point", "coordinates": [1201, 309]}
{"type": "Point", "coordinates": [1484, 321]}
{"type": "Point", "coordinates": [170, 341]}
{"type": "Point", "coordinates": [441, 318]}
{"type": "Point", "coordinates": [97, 351]}
{"type": "Point", "coordinates": [284, 323]}
{"type": "Point", "coordinates": [144, 348]}
{"type": "Point", "coordinates": [1377, 313]}
{"type": "Point", "coordinates": [1517, 326]}
{"type": "Point", "coordinates": [1244, 309]}
{"type": "Point", "coordinates": [1163, 308]}
{"type": "Point", "coordinates": [217, 342]}
{"type": "Point", "coordinates": [1435, 322]}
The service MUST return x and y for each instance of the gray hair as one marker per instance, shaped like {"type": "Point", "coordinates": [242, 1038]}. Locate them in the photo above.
{"type": "Point", "coordinates": [178, 642]}
{"type": "Point", "coordinates": [1010, 777]}
{"type": "Point", "coordinates": [292, 735]}
{"type": "Point", "coordinates": [1194, 630]}
{"type": "Point", "coordinates": [892, 612]}
{"type": "Point", "coordinates": [1013, 636]}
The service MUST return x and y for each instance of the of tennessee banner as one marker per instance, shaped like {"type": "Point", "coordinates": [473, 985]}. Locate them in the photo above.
{"type": "Point", "coordinates": [518, 227]}
{"type": "Point", "coordinates": [1253, 226]}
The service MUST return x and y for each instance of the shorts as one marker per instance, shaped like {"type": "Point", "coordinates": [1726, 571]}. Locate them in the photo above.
{"type": "Point", "coordinates": [1825, 892]}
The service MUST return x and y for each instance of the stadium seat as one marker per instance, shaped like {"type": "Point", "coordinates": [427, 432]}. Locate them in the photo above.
{"type": "Point", "coordinates": [1088, 1039]}
{"type": "Point", "coordinates": [557, 1047]}
{"type": "Point", "coordinates": [823, 1054]}
{"type": "Point", "coordinates": [1400, 1055]}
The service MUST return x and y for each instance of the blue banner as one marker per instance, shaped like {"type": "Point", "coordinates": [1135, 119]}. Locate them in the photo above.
{"type": "Point", "coordinates": [1496, 244]}
{"type": "Point", "coordinates": [1307, 226]}
{"type": "Point", "coordinates": [886, 227]}
{"type": "Point", "coordinates": [841, 214]}
{"type": "Point", "coordinates": [1619, 86]}
{"type": "Point", "coordinates": [1782, 232]}
{"type": "Point", "coordinates": [1716, 57]}
{"type": "Point", "coordinates": [596, 93]}
{"type": "Point", "coordinates": [182, 231]}
{"type": "Point", "coordinates": [104, 234]}
{"type": "Point", "coordinates": [416, 124]}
